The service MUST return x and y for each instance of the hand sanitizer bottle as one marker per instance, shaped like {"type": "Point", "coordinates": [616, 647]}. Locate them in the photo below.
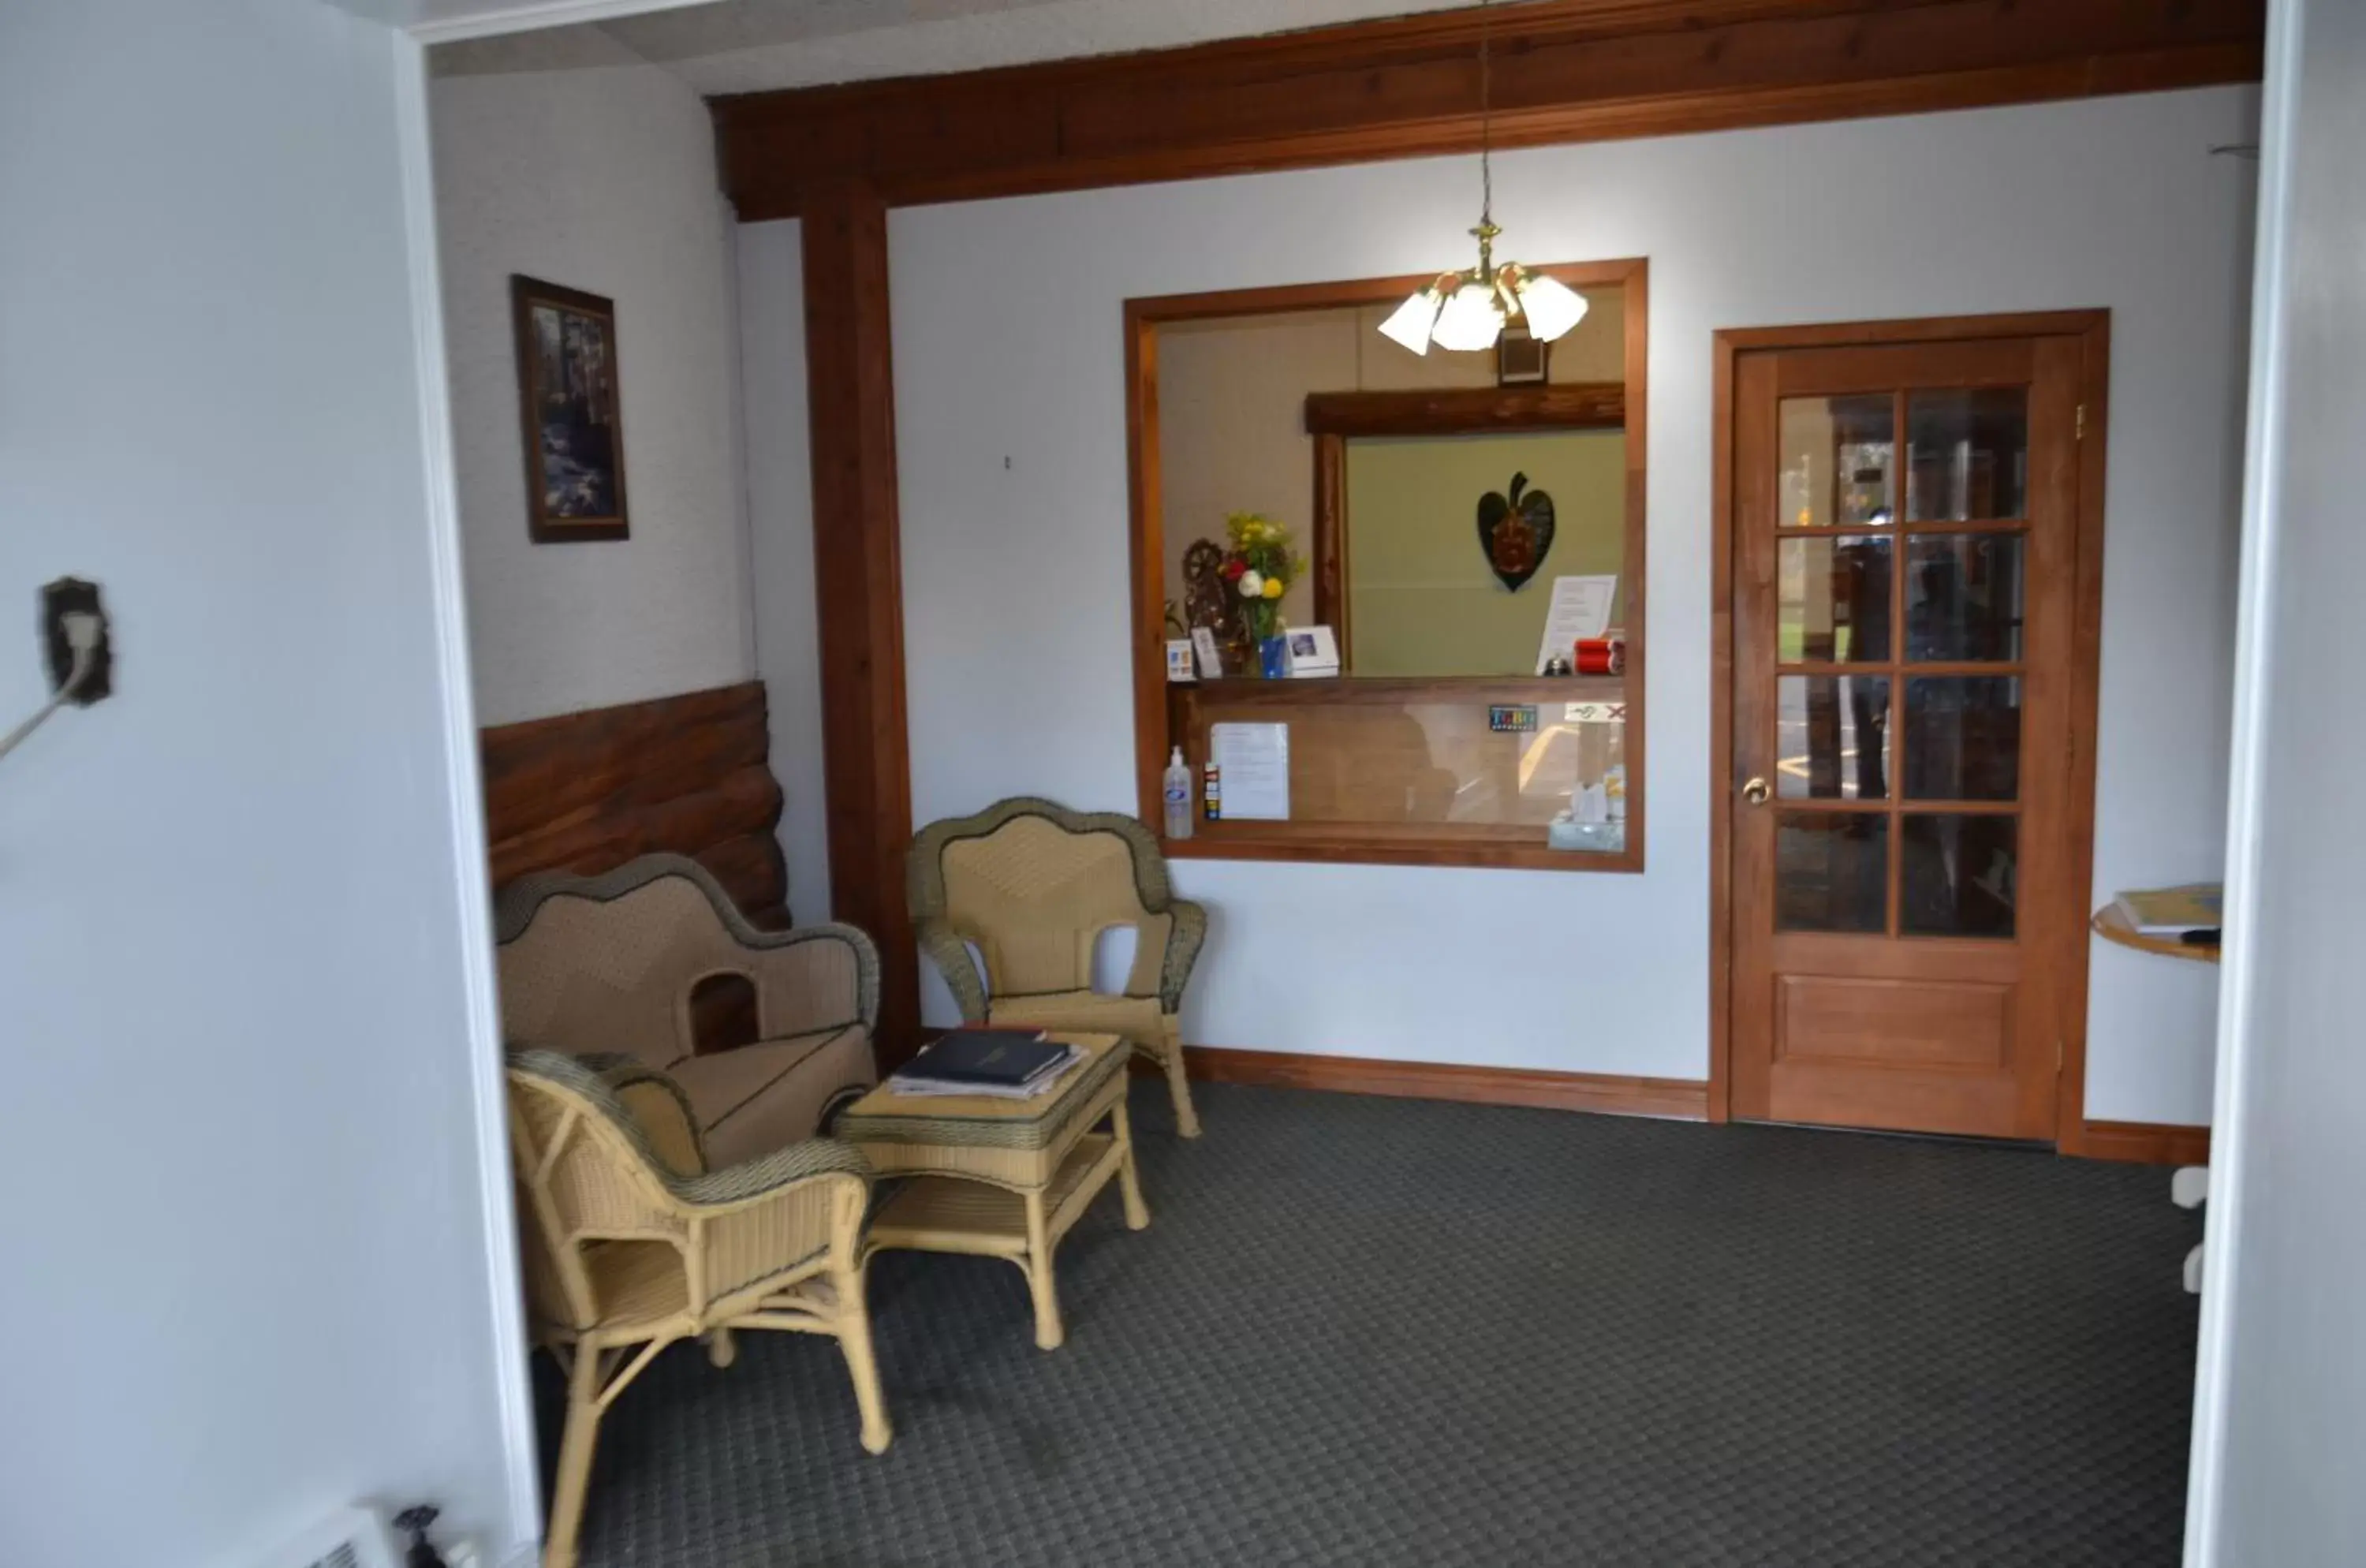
{"type": "Point", "coordinates": [1178, 796]}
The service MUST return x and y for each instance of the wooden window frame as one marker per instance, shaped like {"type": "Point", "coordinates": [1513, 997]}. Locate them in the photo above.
{"type": "Point", "coordinates": [1379, 844]}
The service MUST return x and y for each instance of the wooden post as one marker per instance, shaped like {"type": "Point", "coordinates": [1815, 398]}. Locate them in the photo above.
{"type": "Point", "coordinates": [859, 581]}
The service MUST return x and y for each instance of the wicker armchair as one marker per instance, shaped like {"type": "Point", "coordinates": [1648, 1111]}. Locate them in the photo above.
{"type": "Point", "coordinates": [609, 963]}
{"type": "Point", "coordinates": [633, 1243]}
{"type": "Point", "coordinates": [1033, 885]}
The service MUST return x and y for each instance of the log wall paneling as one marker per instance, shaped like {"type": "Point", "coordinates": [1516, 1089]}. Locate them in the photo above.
{"type": "Point", "coordinates": [586, 792]}
{"type": "Point", "coordinates": [858, 589]}
{"type": "Point", "coordinates": [1564, 71]}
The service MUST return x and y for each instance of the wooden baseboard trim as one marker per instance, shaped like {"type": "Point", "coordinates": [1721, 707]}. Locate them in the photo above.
{"type": "Point", "coordinates": [2144, 1143]}
{"type": "Point", "coordinates": [1679, 1098]}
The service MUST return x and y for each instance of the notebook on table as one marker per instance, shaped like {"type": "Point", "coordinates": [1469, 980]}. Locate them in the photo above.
{"type": "Point", "coordinates": [1004, 1063]}
{"type": "Point", "coordinates": [2172, 911]}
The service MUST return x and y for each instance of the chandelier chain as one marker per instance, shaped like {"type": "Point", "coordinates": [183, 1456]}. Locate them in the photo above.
{"type": "Point", "coordinates": [1486, 113]}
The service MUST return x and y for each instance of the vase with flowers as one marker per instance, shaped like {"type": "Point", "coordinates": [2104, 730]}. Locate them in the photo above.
{"type": "Point", "coordinates": [1261, 566]}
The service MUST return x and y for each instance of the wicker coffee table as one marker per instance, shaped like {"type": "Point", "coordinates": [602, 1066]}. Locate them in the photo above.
{"type": "Point", "coordinates": [1002, 1178]}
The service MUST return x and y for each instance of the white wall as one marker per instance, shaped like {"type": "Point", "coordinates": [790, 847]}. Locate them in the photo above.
{"type": "Point", "coordinates": [2280, 1419]}
{"type": "Point", "coordinates": [245, 1275]}
{"type": "Point", "coordinates": [602, 180]}
{"type": "Point", "coordinates": [780, 516]}
{"type": "Point", "coordinates": [1011, 430]}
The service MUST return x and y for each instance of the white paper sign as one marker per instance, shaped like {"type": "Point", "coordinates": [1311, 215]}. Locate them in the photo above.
{"type": "Point", "coordinates": [1580, 608]}
{"type": "Point", "coordinates": [1253, 768]}
{"type": "Point", "coordinates": [1212, 662]}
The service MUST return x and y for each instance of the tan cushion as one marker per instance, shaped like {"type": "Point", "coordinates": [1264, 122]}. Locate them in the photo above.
{"type": "Point", "coordinates": [759, 1097]}
{"type": "Point", "coordinates": [1136, 1017]}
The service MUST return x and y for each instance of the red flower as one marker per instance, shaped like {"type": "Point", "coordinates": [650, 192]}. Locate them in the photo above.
{"type": "Point", "coordinates": [1234, 567]}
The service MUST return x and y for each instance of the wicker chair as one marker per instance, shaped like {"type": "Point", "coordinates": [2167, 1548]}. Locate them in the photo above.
{"type": "Point", "coordinates": [1033, 885]}
{"type": "Point", "coordinates": [611, 962]}
{"type": "Point", "coordinates": [633, 1243]}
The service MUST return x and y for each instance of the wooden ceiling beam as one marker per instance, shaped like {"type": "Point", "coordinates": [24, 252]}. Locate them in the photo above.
{"type": "Point", "coordinates": [1564, 71]}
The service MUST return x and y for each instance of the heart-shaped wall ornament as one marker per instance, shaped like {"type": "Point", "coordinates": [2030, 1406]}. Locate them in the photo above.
{"type": "Point", "coordinates": [1515, 532]}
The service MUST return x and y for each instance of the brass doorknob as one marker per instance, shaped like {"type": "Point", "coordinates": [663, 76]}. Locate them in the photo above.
{"type": "Point", "coordinates": [1756, 791]}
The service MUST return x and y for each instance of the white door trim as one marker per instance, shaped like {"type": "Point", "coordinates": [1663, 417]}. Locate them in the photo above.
{"type": "Point", "coordinates": [463, 780]}
{"type": "Point", "coordinates": [2254, 692]}
{"type": "Point", "coordinates": [465, 794]}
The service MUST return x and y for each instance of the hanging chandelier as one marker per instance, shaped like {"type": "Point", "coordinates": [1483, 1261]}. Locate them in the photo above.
{"type": "Point", "coordinates": [1470, 310]}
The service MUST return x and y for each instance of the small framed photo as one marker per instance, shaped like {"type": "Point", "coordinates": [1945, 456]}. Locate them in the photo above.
{"type": "Point", "coordinates": [1309, 652]}
{"type": "Point", "coordinates": [1178, 660]}
{"type": "Point", "coordinates": [1521, 359]}
{"type": "Point", "coordinates": [1212, 656]}
{"type": "Point", "coordinates": [569, 412]}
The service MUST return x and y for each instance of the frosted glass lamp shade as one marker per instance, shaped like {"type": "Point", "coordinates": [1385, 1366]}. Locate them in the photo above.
{"type": "Point", "coordinates": [1409, 326]}
{"type": "Point", "coordinates": [1551, 307]}
{"type": "Point", "coordinates": [1471, 320]}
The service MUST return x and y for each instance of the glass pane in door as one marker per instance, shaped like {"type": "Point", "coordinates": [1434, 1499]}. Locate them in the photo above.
{"type": "Point", "coordinates": [1963, 597]}
{"type": "Point", "coordinates": [1832, 599]}
{"type": "Point", "coordinates": [1963, 738]}
{"type": "Point", "coordinates": [1958, 874]}
{"type": "Point", "coordinates": [1831, 739]}
{"type": "Point", "coordinates": [1838, 454]}
{"type": "Point", "coordinates": [1966, 453]}
{"type": "Point", "coordinates": [1831, 870]}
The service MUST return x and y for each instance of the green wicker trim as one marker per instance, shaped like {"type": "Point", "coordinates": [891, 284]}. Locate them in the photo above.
{"type": "Point", "coordinates": [924, 878]}
{"type": "Point", "coordinates": [516, 905]}
{"type": "Point", "coordinates": [1183, 944]}
{"type": "Point", "coordinates": [620, 1071]}
{"type": "Point", "coordinates": [950, 954]}
{"type": "Point", "coordinates": [991, 1132]}
{"type": "Point", "coordinates": [732, 1184]}
{"type": "Point", "coordinates": [750, 1178]}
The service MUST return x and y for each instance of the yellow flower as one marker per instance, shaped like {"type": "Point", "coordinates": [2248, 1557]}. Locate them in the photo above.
{"type": "Point", "coordinates": [1273, 588]}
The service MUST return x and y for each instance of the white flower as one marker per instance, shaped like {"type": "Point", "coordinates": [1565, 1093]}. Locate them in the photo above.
{"type": "Point", "coordinates": [1252, 584]}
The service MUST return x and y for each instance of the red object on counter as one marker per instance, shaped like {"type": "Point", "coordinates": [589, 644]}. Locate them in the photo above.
{"type": "Point", "coordinates": [1601, 656]}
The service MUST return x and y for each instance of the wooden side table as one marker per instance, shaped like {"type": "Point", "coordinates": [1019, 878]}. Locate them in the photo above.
{"type": "Point", "coordinates": [2190, 1187]}
{"type": "Point", "coordinates": [2112, 926]}
{"type": "Point", "coordinates": [1003, 1177]}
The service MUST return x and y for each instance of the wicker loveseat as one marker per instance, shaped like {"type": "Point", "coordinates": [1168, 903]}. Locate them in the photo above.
{"type": "Point", "coordinates": [1032, 885]}
{"type": "Point", "coordinates": [609, 963]}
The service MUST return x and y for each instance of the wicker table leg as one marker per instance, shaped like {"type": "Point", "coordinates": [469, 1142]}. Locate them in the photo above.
{"type": "Point", "coordinates": [1137, 1212]}
{"type": "Point", "coordinates": [1040, 1283]}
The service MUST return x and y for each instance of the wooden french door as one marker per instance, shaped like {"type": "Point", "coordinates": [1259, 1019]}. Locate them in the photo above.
{"type": "Point", "coordinates": [1905, 630]}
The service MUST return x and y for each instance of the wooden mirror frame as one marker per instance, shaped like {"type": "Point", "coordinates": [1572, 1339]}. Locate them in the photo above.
{"type": "Point", "coordinates": [1421, 412]}
{"type": "Point", "coordinates": [1334, 419]}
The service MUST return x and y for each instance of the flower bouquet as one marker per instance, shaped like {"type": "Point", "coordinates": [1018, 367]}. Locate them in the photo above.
{"type": "Point", "coordinates": [1261, 566]}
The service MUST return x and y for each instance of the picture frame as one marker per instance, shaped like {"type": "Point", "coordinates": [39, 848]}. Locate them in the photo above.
{"type": "Point", "coordinates": [1210, 655]}
{"type": "Point", "coordinates": [1521, 358]}
{"type": "Point", "coordinates": [1310, 653]}
{"type": "Point", "coordinates": [570, 413]}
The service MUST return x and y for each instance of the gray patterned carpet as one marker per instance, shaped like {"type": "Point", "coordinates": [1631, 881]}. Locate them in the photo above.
{"type": "Point", "coordinates": [1382, 1332]}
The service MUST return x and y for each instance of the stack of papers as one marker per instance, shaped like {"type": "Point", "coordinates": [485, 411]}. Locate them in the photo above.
{"type": "Point", "coordinates": [1037, 1083]}
{"type": "Point", "coordinates": [2172, 911]}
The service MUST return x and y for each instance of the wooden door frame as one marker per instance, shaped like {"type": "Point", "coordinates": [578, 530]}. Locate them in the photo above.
{"type": "Point", "coordinates": [2092, 329]}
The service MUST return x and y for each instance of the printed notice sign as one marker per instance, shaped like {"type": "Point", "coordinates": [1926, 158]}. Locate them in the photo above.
{"type": "Point", "coordinates": [1253, 763]}
{"type": "Point", "coordinates": [1580, 608]}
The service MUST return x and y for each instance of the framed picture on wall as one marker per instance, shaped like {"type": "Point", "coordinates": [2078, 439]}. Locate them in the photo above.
{"type": "Point", "coordinates": [1521, 358]}
{"type": "Point", "coordinates": [569, 412]}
